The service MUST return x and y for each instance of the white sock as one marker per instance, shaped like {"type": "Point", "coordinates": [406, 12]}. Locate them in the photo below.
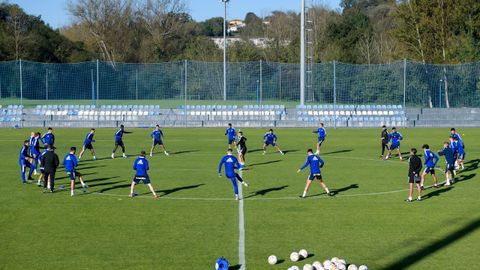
{"type": "Point", "coordinates": [72, 192]}
{"type": "Point", "coordinates": [326, 189]}
{"type": "Point", "coordinates": [304, 194]}
{"type": "Point", "coordinates": [94, 157]}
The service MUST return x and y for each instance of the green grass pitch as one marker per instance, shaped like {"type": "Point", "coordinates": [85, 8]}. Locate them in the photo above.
{"type": "Point", "coordinates": [196, 219]}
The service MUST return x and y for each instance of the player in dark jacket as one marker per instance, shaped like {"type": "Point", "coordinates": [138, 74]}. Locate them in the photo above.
{"type": "Point", "coordinates": [242, 148]}
{"type": "Point", "coordinates": [50, 164]}
{"type": "Point", "coordinates": [415, 166]}
{"type": "Point", "coordinates": [450, 161]}
{"type": "Point", "coordinates": [385, 136]}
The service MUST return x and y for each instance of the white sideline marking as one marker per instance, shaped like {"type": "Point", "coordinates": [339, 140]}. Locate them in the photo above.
{"type": "Point", "coordinates": [241, 228]}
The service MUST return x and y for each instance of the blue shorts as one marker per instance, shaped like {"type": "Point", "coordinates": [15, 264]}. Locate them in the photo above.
{"type": "Point", "coordinates": [461, 156]}
{"type": "Point", "coordinates": [314, 176]}
{"type": "Point", "coordinates": [73, 175]}
{"type": "Point", "coordinates": [449, 167]}
{"type": "Point", "coordinates": [270, 143]}
{"type": "Point", "coordinates": [144, 179]}
{"type": "Point", "coordinates": [394, 146]}
{"type": "Point", "coordinates": [231, 140]}
{"type": "Point", "coordinates": [119, 143]}
{"type": "Point", "coordinates": [320, 141]}
{"type": "Point", "coordinates": [88, 146]}
{"type": "Point", "coordinates": [157, 142]}
{"type": "Point", "coordinates": [429, 170]}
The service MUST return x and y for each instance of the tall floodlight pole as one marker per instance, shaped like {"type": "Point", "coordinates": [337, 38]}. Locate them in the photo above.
{"type": "Point", "coordinates": [225, 2]}
{"type": "Point", "coordinates": [302, 54]}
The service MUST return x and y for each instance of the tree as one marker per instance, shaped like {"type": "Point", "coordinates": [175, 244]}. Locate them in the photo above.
{"type": "Point", "coordinates": [213, 27]}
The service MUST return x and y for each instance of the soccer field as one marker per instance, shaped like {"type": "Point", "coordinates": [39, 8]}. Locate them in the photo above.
{"type": "Point", "coordinates": [196, 220]}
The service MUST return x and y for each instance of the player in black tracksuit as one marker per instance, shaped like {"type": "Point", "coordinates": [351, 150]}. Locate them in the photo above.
{"type": "Point", "coordinates": [415, 166]}
{"type": "Point", "coordinates": [385, 138]}
{"type": "Point", "coordinates": [242, 148]}
{"type": "Point", "coordinates": [50, 164]}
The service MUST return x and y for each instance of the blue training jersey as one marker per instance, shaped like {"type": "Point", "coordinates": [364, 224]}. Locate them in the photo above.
{"type": "Point", "coordinates": [232, 134]}
{"type": "Point", "coordinates": [48, 138]}
{"type": "Point", "coordinates": [322, 133]}
{"type": "Point", "coordinates": [270, 137]}
{"type": "Point", "coordinates": [395, 138]}
{"type": "Point", "coordinates": [430, 159]}
{"type": "Point", "coordinates": [119, 135]}
{"type": "Point", "coordinates": [157, 135]}
{"type": "Point", "coordinates": [231, 163]}
{"type": "Point", "coordinates": [315, 163]}
{"type": "Point", "coordinates": [24, 152]}
{"type": "Point", "coordinates": [89, 139]}
{"type": "Point", "coordinates": [70, 162]}
{"type": "Point", "coordinates": [40, 157]}
{"type": "Point", "coordinates": [140, 165]}
{"type": "Point", "coordinates": [460, 149]}
{"type": "Point", "coordinates": [449, 155]}
{"type": "Point", "coordinates": [458, 138]}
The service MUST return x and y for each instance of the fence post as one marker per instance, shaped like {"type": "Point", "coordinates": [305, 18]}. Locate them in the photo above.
{"type": "Point", "coordinates": [46, 84]}
{"type": "Point", "coordinates": [93, 87]}
{"type": "Point", "coordinates": [261, 83]}
{"type": "Point", "coordinates": [136, 84]}
{"type": "Point", "coordinates": [185, 84]}
{"type": "Point", "coordinates": [404, 82]}
{"type": "Point", "coordinates": [98, 82]}
{"type": "Point", "coordinates": [335, 94]}
{"type": "Point", "coordinates": [280, 80]}
{"type": "Point", "coordinates": [21, 83]}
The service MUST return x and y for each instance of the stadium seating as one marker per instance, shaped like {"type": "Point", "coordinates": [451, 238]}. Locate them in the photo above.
{"type": "Point", "coordinates": [352, 115]}
{"type": "Point", "coordinates": [11, 114]}
{"type": "Point", "coordinates": [233, 112]}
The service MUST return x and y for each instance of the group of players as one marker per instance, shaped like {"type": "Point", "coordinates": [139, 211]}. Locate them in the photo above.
{"type": "Point", "coordinates": [453, 151]}
{"type": "Point", "coordinates": [32, 157]}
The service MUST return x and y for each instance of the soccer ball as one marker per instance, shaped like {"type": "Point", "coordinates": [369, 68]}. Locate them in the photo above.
{"type": "Point", "coordinates": [335, 260]}
{"type": "Point", "coordinates": [342, 261]}
{"type": "Point", "coordinates": [317, 265]}
{"type": "Point", "coordinates": [352, 267]}
{"type": "Point", "coordinates": [307, 267]}
{"type": "Point", "coordinates": [327, 264]}
{"type": "Point", "coordinates": [303, 253]}
{"type": "Point", "coordinates": [341, 266]}
{"type": "Point", "coordinates": [294, 257]}
{"type": "Point", "coordinates": [272, 259]}
{"type": "Point", "coordinates": [362, 267]}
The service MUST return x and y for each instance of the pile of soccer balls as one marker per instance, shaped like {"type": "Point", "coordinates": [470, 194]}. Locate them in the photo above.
{"type": "Point", "coordinates": [332, 264]}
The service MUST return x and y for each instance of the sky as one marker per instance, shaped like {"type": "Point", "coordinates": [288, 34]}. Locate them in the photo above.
{"type": "Point", "coordinates": [54, 12]}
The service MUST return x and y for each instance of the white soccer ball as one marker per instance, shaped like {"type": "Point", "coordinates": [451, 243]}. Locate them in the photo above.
{"type": "Point", "coordinates": [307, 267]}
{"type": "Point", "coordinates": [342, 261]}
{"type": "Point", "coordinates": [318, 265]}
{"type": "Point", "coordinates": [352, 267]}
{"type": "Point", "coordinates": [335, 260]}
{"type": "Point", "coordinates": [341, 266]}
{"type": "Point", "coordinates": [303, 253]}
{"type": "Point", "coordinates": [294, 257]}
{"type": "Point", "coordinates": [327, 264]}
{"type": "Point", "coordinates": [272, 259]}
{"type": "Point", "coordinates": [362, 267]}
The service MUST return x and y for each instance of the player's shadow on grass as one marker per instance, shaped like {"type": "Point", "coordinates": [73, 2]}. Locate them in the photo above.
{"type": "Point", "coordinates": [336, 152]}
{"type": "Point", "coordinates": [67, 177]}
{"type": "Point", "coordinates": [181, 152]}
{"type": "Point", "coordinates": [462, 178]}
{"type": "Point", "coordinates": [437, 192]}
{"type": "Point", "coordinates": [428, 250]}
{"type": "Point", "coordinates": [263, 192]}
{"type": "Point", "coordinates": [235, 267]}
{"type": "Point", "coordinates": [104, 184]}
{"type": "Point", "coordinates": [340, 190]}
{"type": "Point", "coordinates": [91, 160]}
{"type": "Point", "coordinates": [264, 163]}
{"type": "Point", "coordinates": [114, 187]}
{"type": "Point", "coordinates": [290, 151]}
{"type": "Point", "coordinates": [100, 179]}
{"type": "Point", "coordinates": [90, 167]}
{"type": "Point", "coordinates": [165, 192]}
{"type": "Point", "coordinates": [255, 150]}
{"type": "Point", "coordinates": [471, 165]}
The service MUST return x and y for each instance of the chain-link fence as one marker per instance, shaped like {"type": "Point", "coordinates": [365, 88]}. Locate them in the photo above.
{"type": "Point", "coordinates": [189, 82]}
